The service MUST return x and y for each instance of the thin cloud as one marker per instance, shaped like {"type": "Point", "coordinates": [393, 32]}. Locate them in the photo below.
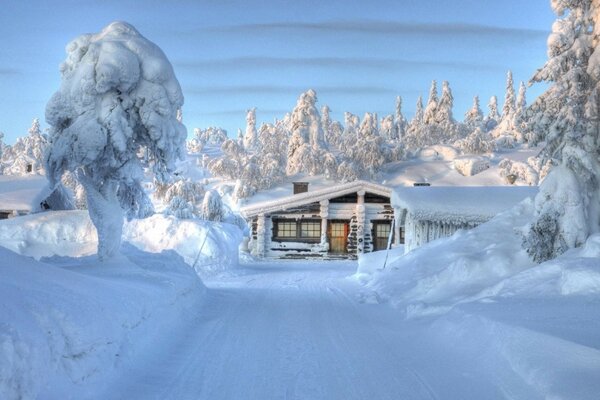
{"type": "Point", "coordinates": [378, 27]}
{"type": "Point", "coordinates": [326, 62]}
{"type": "Point", "coordinates": [10, 71]}
{"type": "Point", "coordinates": [286, 90]}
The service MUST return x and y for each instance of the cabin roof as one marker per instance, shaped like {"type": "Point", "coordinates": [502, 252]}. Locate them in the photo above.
{"type": "Point", "coordinates": [459, 204]}
{"type": "Point", "coordinates": [309, 197]}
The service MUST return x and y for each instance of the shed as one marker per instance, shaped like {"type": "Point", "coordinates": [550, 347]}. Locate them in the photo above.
{"type": "Point", "coordinates": [429, 213]}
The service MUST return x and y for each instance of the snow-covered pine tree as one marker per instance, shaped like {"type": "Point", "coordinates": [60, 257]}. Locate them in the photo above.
{"type": "Point", "coordinates": [492, 119]}
{"type": "Point", "coordinates": [430, 113]}
{"type": "Point", "coordinates": [508, 109]}
{"type": "Point", "coordinates": [443, 115]}
{"type": "Point", "coordinates": [399, 120]}
{"type": "Point", "coordinates": [307, 147]}
{"type": "Point", "coordinates": [567, 207]}
{"type": "Point", "coordinates": [108, 108]}
{"type": "Point", "coordinates": [388, 128]}
{"type": "Point", "coordinates": [251, 137]}
{"type": "Point", "coordinates": [474, 116]}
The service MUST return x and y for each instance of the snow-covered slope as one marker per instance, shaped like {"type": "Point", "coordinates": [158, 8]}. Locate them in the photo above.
{"type": "Point", "coordinates": [67, 324]}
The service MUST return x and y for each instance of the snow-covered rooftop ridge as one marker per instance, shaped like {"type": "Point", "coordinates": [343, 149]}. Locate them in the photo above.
{"type": "Point", "coordinates": [462, 204]}
{"type": "Point", "coordinates": [299, 199]}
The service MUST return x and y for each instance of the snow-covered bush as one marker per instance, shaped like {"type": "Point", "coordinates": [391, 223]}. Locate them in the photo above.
{"type": "Point", "coordinates": [516, 171]}
{"type": "Point", "coordinates": [212, 207]}
{"type": "Point", "coordinates": [118, 95]}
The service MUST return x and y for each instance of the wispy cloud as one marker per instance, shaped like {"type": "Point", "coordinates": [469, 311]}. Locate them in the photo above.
{"type": "Point", "coordinates": [286, 90]}
{"type": "Point", "coordinates": [9, 71]}
{"type": "Point", "coordinates": [326, 62]}
{"type": "Point", "coordinates": [378, 27]}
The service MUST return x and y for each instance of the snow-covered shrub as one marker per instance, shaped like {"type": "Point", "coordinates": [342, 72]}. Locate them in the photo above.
{"type": "Point", "coordinates": [514, 171]}
{"type": "Point", "coordinates": [212, 207]}
{"type": "Point", "coordinates": [118, 95]}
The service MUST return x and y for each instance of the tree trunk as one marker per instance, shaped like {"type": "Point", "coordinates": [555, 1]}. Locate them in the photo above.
{"type": "Point", "coordinates": [106, 214]}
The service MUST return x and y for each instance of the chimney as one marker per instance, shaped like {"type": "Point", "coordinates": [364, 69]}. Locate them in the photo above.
{"type": "Point", "coordinates": [300, 187]}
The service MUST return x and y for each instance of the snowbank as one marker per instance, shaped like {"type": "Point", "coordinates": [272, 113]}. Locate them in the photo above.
{"type": "Point", "coordinates": [481, 264]}
{"type": "Point", "coordinates": [209, 247]}
{"type": "Point", "coordinates": [68, 323]}
{"type": "Point", "coordinates": [444, 272]}
{"type": "Point", "coordinates": [471, 165]}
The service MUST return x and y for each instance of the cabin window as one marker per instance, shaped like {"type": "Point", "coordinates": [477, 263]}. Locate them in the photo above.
{"type": "Point", "coordinates": [311, 229]}
{"type": "Point", "coordinates": [297, 231]}
{"type": "Point", "coordinates": [286, 229]}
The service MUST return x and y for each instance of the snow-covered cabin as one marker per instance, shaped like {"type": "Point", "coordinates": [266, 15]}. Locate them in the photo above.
{"type": "Point", "coordinates": [432, 212]}
{"type": "Point", "coordinates": [17, 193]}
{"type": "Point", "coordinates": [339, 221]}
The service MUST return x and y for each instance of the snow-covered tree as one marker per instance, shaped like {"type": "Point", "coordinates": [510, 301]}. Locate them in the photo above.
{"type": "Point", "coordinates": [388, 128]}
{"type": "Point", "coordinates": [477, 142]}
{"type": "Point", "coordinates": [231, 164]}
{"type": "Point", "coordinates": [27, 154]}
{"type": "Point", "coordinates": [474, 116]}
{"type": "Point", "coordinates": [368, 153]}
{"type": "Point", "coordinates": [430, 113]}
{"type": "Point", "coordinates": [491, 120]}
{"type": "Point", "coordinates": [444, 108]}
{"type": "Point", "coordinates": [508, 109]}
{"type": "Point", "coordinates": [212, 207]}
{"type": "Point", "coordinates": [521, 100]}
{"type": "Point", "coordinates": [118, 95]}
{"type": "Point", "coordinates": [306, 147]}
{"type": "Point", "coordinates": [568, 203]}
{"type": "Point", "coordinates": [399, 120]}
{"type": "Point", "coordinates": [251, 137]}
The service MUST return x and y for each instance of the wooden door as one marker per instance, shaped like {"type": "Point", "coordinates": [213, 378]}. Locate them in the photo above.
{"type": "Point", "coordinates": [381, 234]}
{"type": "Point", "coordinates": [338, 236]}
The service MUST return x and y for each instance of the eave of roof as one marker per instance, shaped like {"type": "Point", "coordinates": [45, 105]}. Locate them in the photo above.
{"type": "Point", "coordinates": [309, 197]}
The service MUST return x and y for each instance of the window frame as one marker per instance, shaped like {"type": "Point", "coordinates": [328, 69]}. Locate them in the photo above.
{"type": "Point", "coordinates": [298, 229]}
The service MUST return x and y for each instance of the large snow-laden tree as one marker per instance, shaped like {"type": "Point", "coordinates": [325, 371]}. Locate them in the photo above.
{"type": "Point", "coordinates": [307, 151]}
{"type": "Point", "coordinates": [568, 204]}
{"type": "Point", "coordinates": [400, 121]}
{"type": "Point", "coordinates": [430, 113]}
{"type": "Point", "coordinates": [118, 96]}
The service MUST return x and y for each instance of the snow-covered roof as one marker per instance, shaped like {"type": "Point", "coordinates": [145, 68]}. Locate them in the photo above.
{"type": "Point", "coordinates": [301, 199]}
{"type": "Point", "coordinates": [18, 192]}
{"type": "Point", "coordinates": [459, 204]}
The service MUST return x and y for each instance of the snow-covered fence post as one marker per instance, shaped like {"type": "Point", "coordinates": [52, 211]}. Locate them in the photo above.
{"type": "Point", "coordinates": [360, 219]}
{"type": "Point", "coordinates": [324, 215]}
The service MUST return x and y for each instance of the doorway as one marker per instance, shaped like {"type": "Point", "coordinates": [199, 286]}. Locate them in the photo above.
{"type": "Point", "coordinates": [338, 236]}
{"type": "Point", "coordinates": [381, 234]}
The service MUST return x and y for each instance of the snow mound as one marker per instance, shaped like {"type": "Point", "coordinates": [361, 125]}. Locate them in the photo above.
{"type": "Point", "coordinates": [471, 165]}
{"type": "Point", "coordinates": [438, 152]}
{"type": "Point", "coordinates": [444, 272]}
{"type": "Point", "coordinates": [209, 247]}
{"type": "Point", "coordinates": [67, 324]}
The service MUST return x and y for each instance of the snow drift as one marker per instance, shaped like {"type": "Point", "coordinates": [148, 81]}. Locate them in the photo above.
{"type": "Point", "coordinates": [68, 323]}
{"type": "Point", "coordinates": [207, 246]}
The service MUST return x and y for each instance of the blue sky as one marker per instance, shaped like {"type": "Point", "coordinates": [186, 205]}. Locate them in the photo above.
{"type": "Point", "coordinates": [233, 55]}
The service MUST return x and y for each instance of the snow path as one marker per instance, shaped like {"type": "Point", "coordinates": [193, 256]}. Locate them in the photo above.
{"type": "Point", "coordinates": [297, 330]}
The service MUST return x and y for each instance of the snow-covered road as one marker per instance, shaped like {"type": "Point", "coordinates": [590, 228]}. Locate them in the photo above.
{"type": "Point", "coordinates": [299, 330]}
